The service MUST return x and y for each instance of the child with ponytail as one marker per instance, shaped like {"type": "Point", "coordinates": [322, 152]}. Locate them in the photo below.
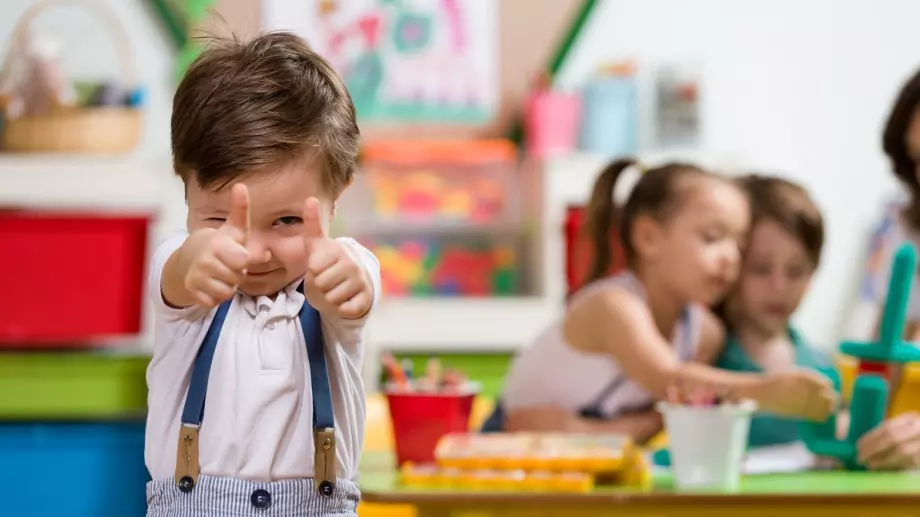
{"type": "Point", "coordinates": [624, 340]}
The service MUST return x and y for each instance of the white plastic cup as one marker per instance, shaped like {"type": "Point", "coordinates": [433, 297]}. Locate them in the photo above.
{"type": "Point", "coordinates": [707, 444]}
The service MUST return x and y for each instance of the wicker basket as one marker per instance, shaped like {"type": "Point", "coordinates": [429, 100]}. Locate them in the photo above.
{"type": "Point", "coordinates": [102, 130]}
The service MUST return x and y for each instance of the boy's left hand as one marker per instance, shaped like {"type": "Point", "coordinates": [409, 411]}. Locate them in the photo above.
{"type": "Point", "coordinates": [334, 279]}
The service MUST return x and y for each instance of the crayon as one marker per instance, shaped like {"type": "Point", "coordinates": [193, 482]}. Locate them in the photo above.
{"type": "Point", "coordinates": [395, 374]}
{"type": "Point", "coordinates": [407, 368]}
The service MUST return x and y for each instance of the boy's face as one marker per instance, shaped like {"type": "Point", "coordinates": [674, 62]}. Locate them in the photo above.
{"type": "Point", "coordinates": [774, 278]}
{"type": "Point", "coordinates": [276, 199]}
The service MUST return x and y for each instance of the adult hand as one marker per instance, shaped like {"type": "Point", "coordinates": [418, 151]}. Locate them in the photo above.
{"type": "Point", "coordinates": [893, 445]}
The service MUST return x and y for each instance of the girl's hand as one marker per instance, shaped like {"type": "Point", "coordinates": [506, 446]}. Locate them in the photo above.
{"type": "Point", "coordinates": [893, 445]}
{"type": "Point", "coordinates": [797, 393]}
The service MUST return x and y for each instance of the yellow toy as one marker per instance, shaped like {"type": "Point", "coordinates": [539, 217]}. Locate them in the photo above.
{"type": "Point", "coordinates": [531, 461]}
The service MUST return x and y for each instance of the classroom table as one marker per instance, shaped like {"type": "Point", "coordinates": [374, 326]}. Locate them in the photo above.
{"type": "Point", "coordinates": [811, 494]}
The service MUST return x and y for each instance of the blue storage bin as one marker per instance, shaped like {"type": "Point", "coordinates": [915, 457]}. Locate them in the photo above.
{"type": "Point", "coordinates": [609, 121]}
{"type": "Point", "coordinates": [73, 469]}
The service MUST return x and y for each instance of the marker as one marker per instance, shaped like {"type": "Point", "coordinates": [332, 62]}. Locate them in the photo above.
{"type": "Point", "coordinates": [407, 368]}
{"type": "Point", "coordinates": [395, 374]}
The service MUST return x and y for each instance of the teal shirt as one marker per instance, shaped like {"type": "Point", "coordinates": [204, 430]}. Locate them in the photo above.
{"type": "Point", "coordinates": [768, 429]}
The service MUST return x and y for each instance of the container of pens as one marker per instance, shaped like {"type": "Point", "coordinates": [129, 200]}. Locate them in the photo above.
{"type": "Point", "coordinates": [707, 440]}
{"type": "Point", "coordinates": [425, 409]}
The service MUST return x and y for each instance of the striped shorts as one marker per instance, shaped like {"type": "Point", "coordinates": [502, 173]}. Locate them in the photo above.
{"type": "Point", "coordinates": [227, 497]}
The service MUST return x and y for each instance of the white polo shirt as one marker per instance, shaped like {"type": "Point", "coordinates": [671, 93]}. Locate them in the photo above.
{"type": "Point", "coordinates": [258, 420]}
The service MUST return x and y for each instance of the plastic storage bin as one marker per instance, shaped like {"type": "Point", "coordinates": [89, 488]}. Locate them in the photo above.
{"type": "Point", "coordinates": [73, 469]}
{"type": "Point", "coordinates": [579, 253]}
{"type": "Point", "coordinates": [609, 122]}
{"type": "Point", "coordinates": [447, 266]}
{"type": "Point", "coordinates": [93, 263]}
{"type": "Point", "coordinates": [89, 385]}
{"type": "Point", "coordinates": [551, 122]}
{"type": "Point", "coordinates": [441, 181]}
{"type": "Point", "coordinates": [420, 420]}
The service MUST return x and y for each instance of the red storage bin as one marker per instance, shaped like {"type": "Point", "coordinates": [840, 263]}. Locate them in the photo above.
{"type": "Point", "coordinates": [68, 279]}
{"type": "Point", "coordinates": [420, 420]}
{"type": "Point", "coordinates": [579, 251]}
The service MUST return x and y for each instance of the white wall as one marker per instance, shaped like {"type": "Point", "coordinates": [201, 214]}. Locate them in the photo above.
{"type": "Point", "coordinates": [796, 87]}
{"type": "Point", "coordinates": [87, 52]}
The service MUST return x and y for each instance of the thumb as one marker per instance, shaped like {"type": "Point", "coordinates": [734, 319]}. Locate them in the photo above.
{"type": "Point", "coordinates": [312, 223]}
{"type": "Point", "coordinates": [238, 219]}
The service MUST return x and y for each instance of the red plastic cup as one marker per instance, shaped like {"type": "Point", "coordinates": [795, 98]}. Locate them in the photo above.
{"type": "Point", "coordinates": [421, 419]}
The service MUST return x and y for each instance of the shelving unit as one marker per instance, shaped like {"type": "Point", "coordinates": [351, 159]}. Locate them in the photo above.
{"type": "Point", "coordinates": [407, 324]}
{"type": "Point", "coordinates": [127, 185]}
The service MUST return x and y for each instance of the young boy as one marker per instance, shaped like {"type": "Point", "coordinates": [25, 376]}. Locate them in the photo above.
{"type": "Point", "coordinates": [269, 418]}
{"type": "Point", "coordinates": [782, 255]}
{"type": "Point", "coordinates": [783, 252]}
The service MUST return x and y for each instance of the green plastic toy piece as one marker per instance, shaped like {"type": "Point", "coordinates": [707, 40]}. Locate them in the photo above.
{"type": "Point", "coordinates": [891, 347]}
{"type": "Point", "coordinates": [870, 391]}
{"type": "Point", "coordinates": [867, 410]}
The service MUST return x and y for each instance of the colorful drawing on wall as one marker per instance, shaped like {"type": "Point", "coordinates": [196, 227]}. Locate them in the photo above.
{"type": "Point", "coordinates": [404, 60]}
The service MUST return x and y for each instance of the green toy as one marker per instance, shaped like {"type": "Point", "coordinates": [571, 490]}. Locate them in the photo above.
{"type": "Point", "coordinates": [872, 388]}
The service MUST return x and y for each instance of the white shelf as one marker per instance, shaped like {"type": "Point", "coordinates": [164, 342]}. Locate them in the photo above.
{"type": "Point", "coordinates": [459, 324]}
{"type": "Point", "coordinates": [74, 182]}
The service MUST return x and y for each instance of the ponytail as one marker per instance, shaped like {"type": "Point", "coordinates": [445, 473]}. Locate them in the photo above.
{"type": "Point", "coordinates": [603, 216]}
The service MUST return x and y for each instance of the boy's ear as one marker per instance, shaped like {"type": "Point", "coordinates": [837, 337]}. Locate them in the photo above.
{"type": "Point", "coordinates": [647, 235]}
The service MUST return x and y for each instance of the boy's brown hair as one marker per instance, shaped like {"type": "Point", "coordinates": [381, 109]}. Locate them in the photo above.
{"type": "Point", "coordinates": [788, 205]}
{"type": "Point", "coordinates": [244, 106]}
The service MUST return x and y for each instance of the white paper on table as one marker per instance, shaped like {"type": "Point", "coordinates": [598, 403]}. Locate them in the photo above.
{"type": "Point", "coordinates": [778, 459]}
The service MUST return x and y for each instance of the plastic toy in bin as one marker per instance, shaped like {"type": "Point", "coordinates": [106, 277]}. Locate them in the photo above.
{"type": "Point", "coordinates": [424, 409]}
{"type": "Point", "coordinates": [419, 267]}
{"type": "Point", "coordinates": [462, 180]}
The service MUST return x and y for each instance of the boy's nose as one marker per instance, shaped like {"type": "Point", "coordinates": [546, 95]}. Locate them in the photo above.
{"type": "Point", "coordinates": [259, 253]}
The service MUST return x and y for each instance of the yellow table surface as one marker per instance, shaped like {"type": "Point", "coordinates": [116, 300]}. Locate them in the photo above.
{"type": "Point", "coordinates": [812, 494]}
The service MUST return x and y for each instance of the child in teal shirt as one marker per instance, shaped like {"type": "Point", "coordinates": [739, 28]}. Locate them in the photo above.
{"type": "Point", "coordinates": [782, 254]}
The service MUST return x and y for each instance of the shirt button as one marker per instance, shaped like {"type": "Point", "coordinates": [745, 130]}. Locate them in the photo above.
{"type": "Point", "coordinates": [270, 325]}
{"type": "Point", "coordinates": [261, 499]}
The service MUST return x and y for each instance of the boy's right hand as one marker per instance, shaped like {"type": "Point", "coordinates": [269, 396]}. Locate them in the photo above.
{"type": "Point", "coordinates": [218, 265]}
{"type": "Point", "coordinates": [798, 393]}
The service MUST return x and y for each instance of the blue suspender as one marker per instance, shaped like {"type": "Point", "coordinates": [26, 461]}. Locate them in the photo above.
{"type": "Point", "coordinates": [323, 414]}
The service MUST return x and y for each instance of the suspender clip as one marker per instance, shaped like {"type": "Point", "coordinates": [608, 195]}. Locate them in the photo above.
{"type": "Point", "coordinates": [187, 458]}
{"type": "Point", "coordinates": [324, 462]}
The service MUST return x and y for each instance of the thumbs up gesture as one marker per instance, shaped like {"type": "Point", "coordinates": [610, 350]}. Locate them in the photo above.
{"type": "Point", "coordinates": [334, 278]}
{"type": "Point", "coordinates": [219, 267]}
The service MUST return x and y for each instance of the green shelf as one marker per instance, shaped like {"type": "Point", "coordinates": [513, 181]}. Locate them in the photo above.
{"type": "Point", "coordinates": [72, 385]}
